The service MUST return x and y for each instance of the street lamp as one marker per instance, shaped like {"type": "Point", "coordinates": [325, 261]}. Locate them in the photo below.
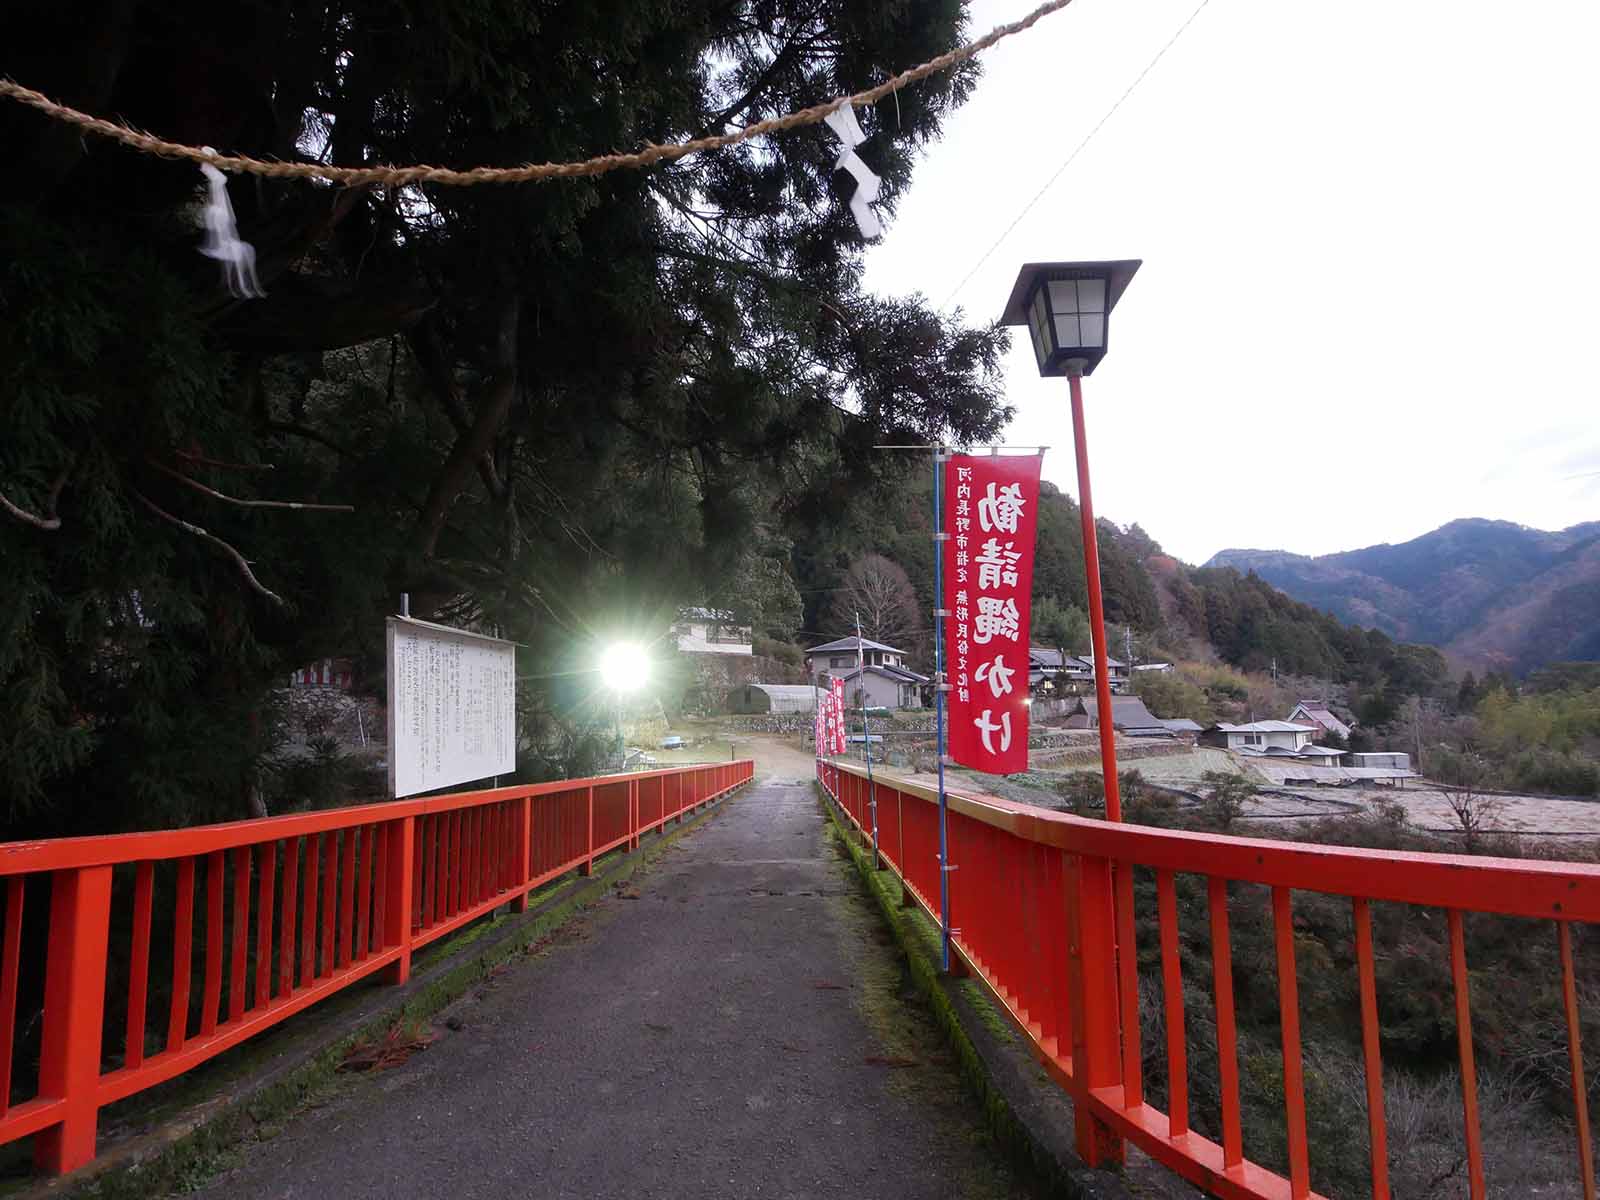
{"type": "Point", "coordinates": [1067, 309]}
{"type": "Point", "coordinates": [624, 668]}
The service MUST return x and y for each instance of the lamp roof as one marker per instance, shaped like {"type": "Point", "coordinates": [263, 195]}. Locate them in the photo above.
{"type": "Point", "coordinates": [1116, 273]}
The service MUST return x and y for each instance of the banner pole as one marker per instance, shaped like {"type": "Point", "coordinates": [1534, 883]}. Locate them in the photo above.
{"type": "Point", "coordinates": [938, 704]}
{"type": "Point", "coordinates": [866, 741]}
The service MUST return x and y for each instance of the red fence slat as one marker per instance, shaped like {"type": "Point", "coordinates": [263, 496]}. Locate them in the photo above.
{"type": "Point", "coordinates": [357, 887]}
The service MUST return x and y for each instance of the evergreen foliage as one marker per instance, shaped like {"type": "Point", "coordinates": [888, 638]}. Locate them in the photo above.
{"type": "Point", "coordinates": [560, 410]}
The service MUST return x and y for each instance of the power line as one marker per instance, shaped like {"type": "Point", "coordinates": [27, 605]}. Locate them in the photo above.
{"type": "Point", "coordinates": [1077, 150]}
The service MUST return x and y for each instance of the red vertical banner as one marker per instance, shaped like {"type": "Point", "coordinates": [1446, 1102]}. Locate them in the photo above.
{"type": "Point", "coordinates": [821, 704]}
{"type": "Point", "coordinates": [839, 743]}
{"type": "Point", "coordinates": [991, 506]}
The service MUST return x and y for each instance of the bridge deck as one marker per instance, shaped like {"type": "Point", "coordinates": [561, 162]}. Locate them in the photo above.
{"type": "Point", "coordinates": [713, 1037]}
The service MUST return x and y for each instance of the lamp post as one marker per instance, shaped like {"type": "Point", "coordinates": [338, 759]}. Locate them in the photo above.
{"type": "Point", "coordinates": [624, 668]}
{"type": "Point", "coordinates": [1067, 309]}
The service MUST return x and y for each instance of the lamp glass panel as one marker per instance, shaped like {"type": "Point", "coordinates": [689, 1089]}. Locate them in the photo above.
{"type": "Point", "coordinates": [1093, 328]}
{"type": "Point", "coordinates": [1091, 295]}
{"type": "Point", "coordinates": [1063, 296]}
{"type": "Point", "coordinates": [1067, 331]}
{"type": "Point", "coordinates": [1039, 324]}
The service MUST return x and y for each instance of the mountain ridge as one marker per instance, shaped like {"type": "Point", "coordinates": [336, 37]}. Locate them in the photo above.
{"type": "Point", "coordinates": [1495, 593]}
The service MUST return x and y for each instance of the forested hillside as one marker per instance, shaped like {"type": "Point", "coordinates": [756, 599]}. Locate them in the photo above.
{"type": "Point", "coordinates": [1172, 611]}
{"type": "Point", "coordinates": [559, 410]}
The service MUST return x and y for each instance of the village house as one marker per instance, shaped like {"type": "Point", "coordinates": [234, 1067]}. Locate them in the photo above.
{"type": "Point", "coordinates": [1259, 736]}
{"type": "Point", "coordinates": [1272, 739]}
{"type": "Point", "coordinates": [884, 681]}
{"type": "Point", "coordinates": [1128, 716]}
{"type": "Point", "coordinates": [708, 631]}
{"type": "Point", "coordinates": [1317, 712]}
{"type": "Point", "coordinates": [1069, 672]}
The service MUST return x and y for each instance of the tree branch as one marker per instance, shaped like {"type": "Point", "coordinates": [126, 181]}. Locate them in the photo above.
{"type": "Point", "coordinates": [226, 499]}
{"type": "Point", "coordinates": [238, 559]}
{"type": "Point", "coordinates": [195, 456]}
{"type": "Point", "coordinates": [49, 524]}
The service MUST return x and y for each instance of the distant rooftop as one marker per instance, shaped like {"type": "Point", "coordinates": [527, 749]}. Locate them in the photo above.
{"type": "Point", "coordinates": [707, 614]}
{"type": "Point", "coordinates": [1265, 727]}
{"type": "Point", "coordinates": [849, 643]}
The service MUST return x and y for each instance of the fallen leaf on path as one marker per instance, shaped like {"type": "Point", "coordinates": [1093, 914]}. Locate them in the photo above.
{"type": "Point", "coordinates": [891, 1061]}
{"type": "Point", "coordinates": [823, 985]}
{"type": "Point", "coordinates": [382, 1053]}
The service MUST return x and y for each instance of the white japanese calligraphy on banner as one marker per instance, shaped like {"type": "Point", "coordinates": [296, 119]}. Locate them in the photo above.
{"type": "Point", "coordinates": [992, 502]}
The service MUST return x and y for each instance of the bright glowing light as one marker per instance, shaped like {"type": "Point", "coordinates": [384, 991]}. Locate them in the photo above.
{"type": "Point", "coordinates": [624, 667]}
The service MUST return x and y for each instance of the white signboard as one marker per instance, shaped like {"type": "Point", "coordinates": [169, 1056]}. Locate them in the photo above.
{"type": "Point", "coordinates": [452, 706]}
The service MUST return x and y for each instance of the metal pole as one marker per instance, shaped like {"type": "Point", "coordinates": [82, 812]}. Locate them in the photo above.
{"type": "Point", "coordinates": [938, 705]}
{"type": "Point", "coordinates": [405, 604]}
{"type": "Point", "coordinates": [866, 740]}
{"type": "Point", "coordinates": [1097, 615]}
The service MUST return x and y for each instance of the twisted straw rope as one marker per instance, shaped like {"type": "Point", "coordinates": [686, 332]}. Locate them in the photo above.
{"type": "Point", "coordinates": [389, 176]}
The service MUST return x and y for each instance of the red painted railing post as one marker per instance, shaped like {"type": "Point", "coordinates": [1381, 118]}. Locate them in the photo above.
{"type": "Point", "coordinates": [74, 1003]}
{"type": "Point", "coordinates": [522, 827]}
{"type": "Point", "coordinates": [633, 814]}
{"type": "Point", "coordinates": [399, 878]}
{"type": "Point", "coordinates": [587, 867]}
{"type": "Point", "coordinates": [1092, 986]}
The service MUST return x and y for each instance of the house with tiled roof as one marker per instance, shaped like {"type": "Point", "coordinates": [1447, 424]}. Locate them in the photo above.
{"type": "Point", "coordinates": [883, 681]}
{"type": "Point", "coordinates": [1317, 712]}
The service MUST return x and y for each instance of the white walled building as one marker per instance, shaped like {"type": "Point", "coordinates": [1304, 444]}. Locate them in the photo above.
{"type": "Point", "coordinates": [886, 681]}
{"type": "Point", "coordinates": [1272, 739]}
{"type": "Point", "coordinates": [1260, 736]}
{"type": "Point", "coordinates": [707, 631]}
{"type": "Point", "coordinates": [1317, 713]}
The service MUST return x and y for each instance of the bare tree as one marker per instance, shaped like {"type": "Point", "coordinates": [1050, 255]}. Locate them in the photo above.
{"type": "Point", "coordinates": [878, 589]}
{"type": "Point", "coordinates": [1461, 782]}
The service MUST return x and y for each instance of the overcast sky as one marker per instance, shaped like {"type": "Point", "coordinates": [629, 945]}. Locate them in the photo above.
{"type": "Point", "coordinates": [1370, 299]}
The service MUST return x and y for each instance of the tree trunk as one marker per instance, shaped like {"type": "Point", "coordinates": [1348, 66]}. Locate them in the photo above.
{"type": "Point", "coordinates": [494, 403]}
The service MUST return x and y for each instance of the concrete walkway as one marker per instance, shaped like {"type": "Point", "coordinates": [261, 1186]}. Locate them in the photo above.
{"type": "Point", "coordinates": [729, 1025]}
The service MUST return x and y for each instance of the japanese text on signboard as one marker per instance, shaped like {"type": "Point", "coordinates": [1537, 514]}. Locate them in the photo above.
{"type": "Point", "coordinates": [991, 505]}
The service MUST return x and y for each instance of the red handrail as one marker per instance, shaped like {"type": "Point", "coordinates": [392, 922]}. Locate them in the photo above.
{"type": "Point", "coordinates": [337, 896]}
{"type": "Point", "coordinates": [1043, 905]}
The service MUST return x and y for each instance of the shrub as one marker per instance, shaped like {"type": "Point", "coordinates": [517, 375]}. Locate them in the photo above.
{"type": "Point", "coordinates": [785, 652]}
{"type": "Point", "coordinates": [1225, 797]}
{"type": "Point", "coordinates": [1084, 793]}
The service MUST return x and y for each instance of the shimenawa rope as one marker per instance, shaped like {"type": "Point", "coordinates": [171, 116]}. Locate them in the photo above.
{"type": "Point", "coordinates": [389, 176]}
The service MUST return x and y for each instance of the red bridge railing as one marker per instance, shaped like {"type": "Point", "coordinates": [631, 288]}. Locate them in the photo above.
{"type": "Point", "coordinates": [291, 910]}
{"type": "Point", "coordinates": [1043, 904]}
